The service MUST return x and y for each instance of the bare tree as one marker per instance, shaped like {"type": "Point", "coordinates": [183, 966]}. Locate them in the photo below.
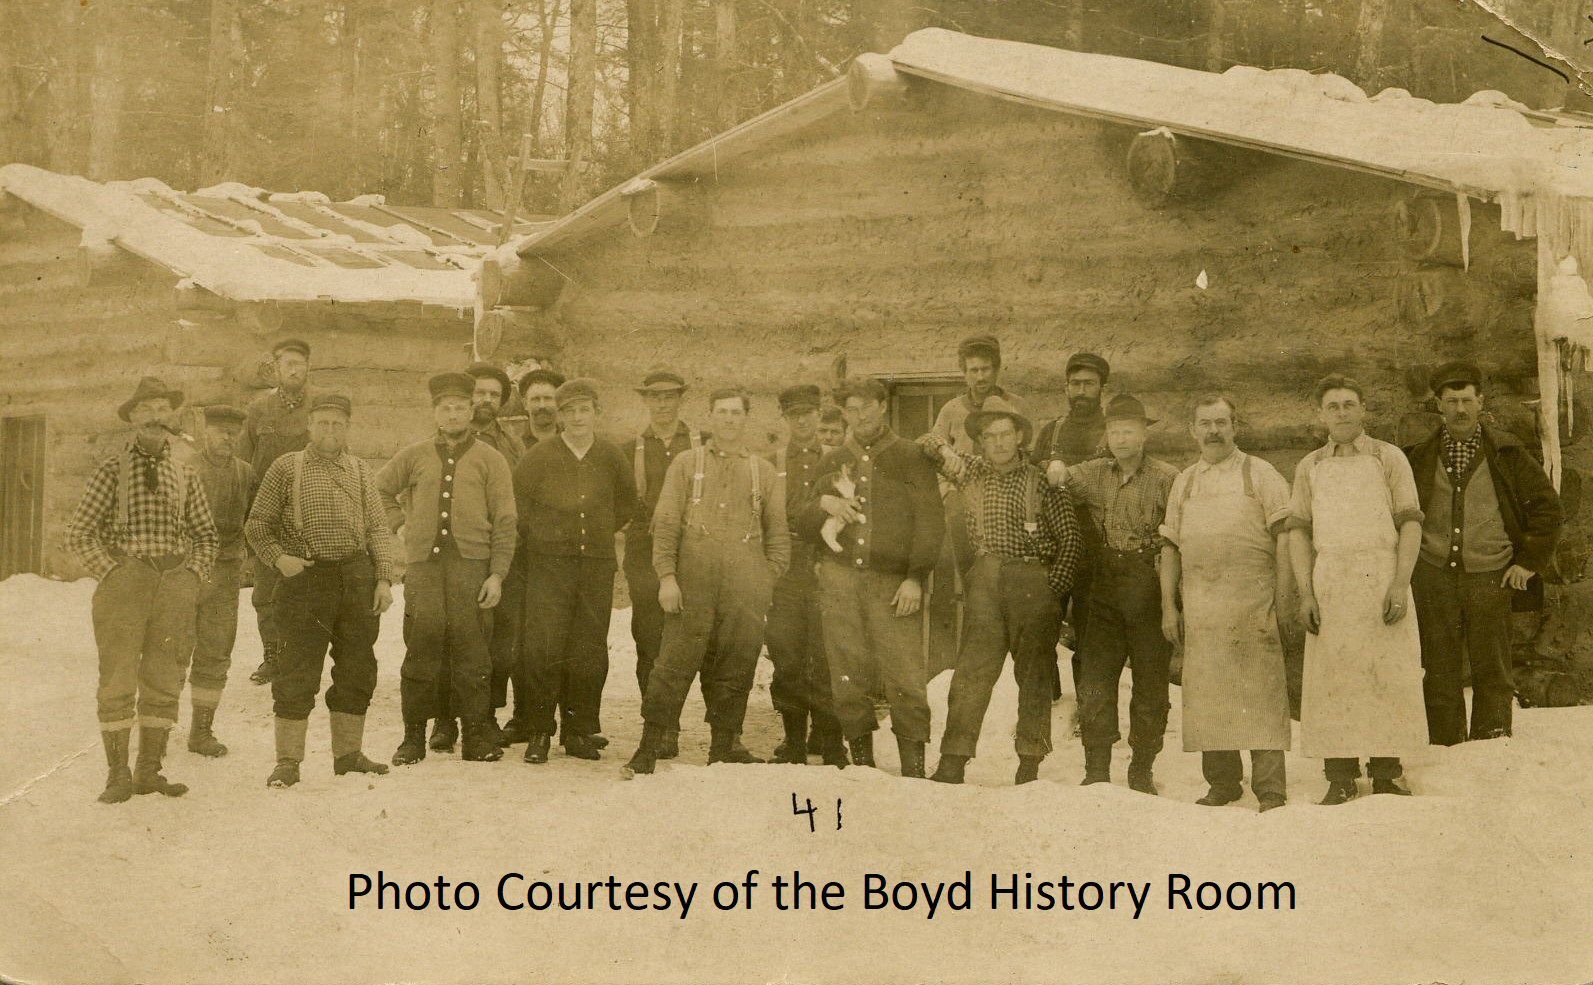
{"type": "Point", "coordinates": [223, 59]}
{"type": "Point", "coordinates": [106, 87]}
{"type": "Point", "coordinates": [547, 19]}
{"type": "Point", "coordinates": [487, 18]}
{"type": "Point", "coordinates": [580, 92]}
{"type": "Point", "coordinates": [1369, 51]}
{"type": "Point", "coordinates": [447, 184]}
{"type": "Point", "coordinates": [671, 25]}
{"type": "Point", "coordinates": [67, 98]}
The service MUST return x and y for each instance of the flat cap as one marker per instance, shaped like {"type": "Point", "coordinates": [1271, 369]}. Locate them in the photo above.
{"type": "Point", "coordinates": [661, 381]}
{"type": "Point", "coordinates": [987, 346]}
{"type": "Point", "coordinates": [451, 385]}
{"type": "Point", "coordinates": [292, 345]}
{"type": "Point", "coordinates": [224, 414]}
{"type": "Point", "coordinates": [803, 396]}
{"type": "Point", "coordinates": [1458, 372]}
{"type": "Point", "coordinates": [577, 389]}
{"type": "Point", "coordinates": [489, 371]}
{"type": "Point", "coordinates": [551, 377]}
{"type": "Point", "coordinates": [976, 423]}
{"type": "Point", "coordinates": [1089, 360]}
{"type": "Point", "coordinates": [332, 401]}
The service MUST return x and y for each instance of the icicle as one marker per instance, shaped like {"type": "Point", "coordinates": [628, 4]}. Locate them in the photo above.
{"type": "Point", "coordinates": [1463, 206]}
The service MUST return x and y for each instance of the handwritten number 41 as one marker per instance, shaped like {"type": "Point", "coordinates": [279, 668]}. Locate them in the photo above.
{"type": "Point", "coordinates": [811, 812]}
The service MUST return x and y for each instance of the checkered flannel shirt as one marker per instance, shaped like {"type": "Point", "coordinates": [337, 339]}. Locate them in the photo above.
{"type": "Point", "coordinates": [1127, 513]}
{"type": "Point", "coordinates": [97, 536]}
{"type": "Point", "coordinates": [1056, 542]}
{"type": "Point", "coordinates": [342, 514]}
{"type": "Point", "coordinates": [1460, 454]}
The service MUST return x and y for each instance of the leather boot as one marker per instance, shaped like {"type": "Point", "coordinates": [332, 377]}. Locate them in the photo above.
{"type": "Point", "coordinates": [481, 742]}
{"type": "Point", "coordinates": [1140, 775]}
{"type": "Point", "coordinates": [1391, 785]}
{"type": "Point", "coordinates": [267, 670]}
{"type": "Point", "coordinates": [669, 744]}
{"type": "Point", "coordinates": [1097, 765]}
{"type": "Point", "coordinates": [645, 759]}
{"type": "Point", "coordinates": [290, 751]}
{"type": "Point", "coordinates": [726, 747]}
{"type": "Point", "coordinates": [583, 747]}
{"type": "Point", "coordinates": [118, 780]}
{"type": "Point", "coordinates": [413, 748]}
{"type": "Point", "coordinates": [444, 733]}
{"type": "Point", "coordinates": [348, 736]}
{"type": "Point", "coordinates": [536, 747]}
{"type": "Point", "coordinates": [1340, 791]}
{"type": "Point", "coordinates": [794, 747]}
{"type": "Point", "coordinates": [948, 770]}
{"type": "Point", "coordinates": [200, 738]}
{"type": "Point", "coordinates": [1028, 770]}
{"type": "Point", "coordinates": [911, 752]}
{"type": "Point", "coordinates": [1219, 796]}
{"type": "Point", "coordinates": [834, 751]}
{"type": "Point", "coordinates": [514, 732]}
{"type": "Point", "coordinates": [146, 773]}
{"type": "Point", "coordinates": [862, 749]}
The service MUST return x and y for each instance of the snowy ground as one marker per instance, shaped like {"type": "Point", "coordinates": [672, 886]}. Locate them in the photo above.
{"type": "Point", "coordinates": [1483, 877]}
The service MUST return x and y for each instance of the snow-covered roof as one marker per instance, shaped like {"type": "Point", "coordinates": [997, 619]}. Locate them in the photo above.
{"type": "Point", "coordinates": [245, 244]}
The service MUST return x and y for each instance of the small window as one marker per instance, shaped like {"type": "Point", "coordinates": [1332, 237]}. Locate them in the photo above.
{"type": "Point", "coordinates": [916, 399]}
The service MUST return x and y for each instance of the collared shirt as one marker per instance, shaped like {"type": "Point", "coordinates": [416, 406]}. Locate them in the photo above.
{"type": "Point", "coordinates": [1000, 527]}
{"type": "Point", "coordinates": [503, 440]}
{"type": "Point", "coordinates": [723, 506]}
{"type": "Point", "coordinates": [656, 458]}
{"type": "Point", "coordinates": [1227, 478]}
{"type": "Point", "coordinates": [229, 488]}
{"type": "Point", "coordinates": [1127, 510]}
{"type": "Point", "coordinates": [572, 507]}
{"type": "Point", "coordinates": [173, 518]}
{"type": "Point", "coordinates": [1401, 485]}
{"type": "Point", "coordinates": [340, 508]}
{"type": "Point", "coordinates": [445, 495]}
{"type": "Point", "coordinates": [1460, 453]}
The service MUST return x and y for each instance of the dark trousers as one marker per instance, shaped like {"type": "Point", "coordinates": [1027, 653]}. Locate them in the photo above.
{"type": "Point", "coordinates": [1462, 616]}
{"type": "Point", "coordinates": [215, 631]}
{"type": "Point", "coordinates": [445, 627]}
{"type": "Point", "coordinates": [264, 598]}
{"type": "Point", "coordinates": [328, 606]}
{"type": "Point", "coordinates": [795, 637]}
{"type": "Point", "coordinates": [1378, 768]}
{"type": "Point", "coordinates": [508, 662]}
{"type": "Point", "coordinates": [568, 602]}
{"type": "Point", "coordinates": [647, 618]}
{"type": "Point", "coordinates": [143, 614]}
{"type": "Point", "coordinates": [1224, 769]}
{"type": "Point", "coordinates": [725, 589]}
{"type": "Point", "coordinates": [1012, 610]}
{"type": "Point", "coordinates": [1124, 626]}
{"type": "Point", "coordinates": [863, 631]}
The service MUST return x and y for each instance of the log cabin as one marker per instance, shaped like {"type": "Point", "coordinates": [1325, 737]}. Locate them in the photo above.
{"type": "Point", "coordinates": [1248, 231]}
{"type": "Point", "coordinates": [101, 283]}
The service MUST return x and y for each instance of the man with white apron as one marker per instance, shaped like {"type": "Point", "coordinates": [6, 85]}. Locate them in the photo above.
{"type": "Point", "coordinates": [1226, 551]}
{"type": "Point", "coordinates": [1355, 527]}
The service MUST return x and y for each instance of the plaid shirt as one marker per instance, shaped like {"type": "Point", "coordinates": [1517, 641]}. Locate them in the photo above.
{"type": "Point", "coordinates": [342, 513]}
{"type": "Point", "coordinates": [1000, 528]}
{"type": "Point", "coordinates": [99, 537]}
{"type": "Point", "coordinates": [1460, 454]}
{"type": "Point", "coordinates": [1127, 510]}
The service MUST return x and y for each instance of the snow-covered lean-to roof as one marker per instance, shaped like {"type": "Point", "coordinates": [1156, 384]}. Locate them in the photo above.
{"type": "Point", "coordinates": [1538, 166]}
{"type": "Point", "coordinates": [245, 244]}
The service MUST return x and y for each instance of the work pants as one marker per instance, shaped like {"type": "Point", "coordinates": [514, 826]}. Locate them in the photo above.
{"type": "Point", "coordinates": [568, 602]}
{"type": "Point", "coordinates": [1224, 768]}
{"type": "Point", "coordinates": [861, 628]}
{"type": "Point", "coordinates": [795, 638]}
{"type": "Point", "coordinates": [328, 605]}
{"type": "Point", "coordinates": [143, 614]}
{"type": "Point", "coordinates": [647, 618]}
{"type": "Point", "coordinates": [1464, 615]}
{"type": "Point", "coordinates": [215, 632]}
{"type": "Point", "coordinates": [444, 627]}
{"type": "Point", "coordinates": [264, 598]}
{"type": "Point", "coordinates": [725, 588]}
{"type": "Point", "coordinates": [1012, 610]}
{"type": "Point", "coordinates": [1378, 768]}
{"type": "Point", "coordinates": [508, 663]}
{"type": "Point", "coordinates": [1124, 626]}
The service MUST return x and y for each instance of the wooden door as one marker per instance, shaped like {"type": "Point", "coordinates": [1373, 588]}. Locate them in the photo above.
{"type": "Point", "coordinates": [21, 495]}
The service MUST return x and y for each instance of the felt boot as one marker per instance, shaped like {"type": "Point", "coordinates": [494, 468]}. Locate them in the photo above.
{"type": "Point", "coordinates": [290, 734]}
{"type": "Point", "coordinates": [348, 737]}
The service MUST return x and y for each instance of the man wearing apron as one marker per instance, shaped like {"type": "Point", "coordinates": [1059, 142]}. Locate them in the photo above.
{"type": "Point", "coordinates": [1226, 552]}
{"type": "Point", "coordinates": [1355, 529]}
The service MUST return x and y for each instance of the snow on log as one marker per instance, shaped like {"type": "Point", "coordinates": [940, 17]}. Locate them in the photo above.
{"type": "Point", "coordinates": [871, 80]}
{"type": "Point", "coordinates": [505, 278]}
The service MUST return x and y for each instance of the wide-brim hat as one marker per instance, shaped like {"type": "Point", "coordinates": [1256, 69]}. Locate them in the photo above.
{"type": "Point", "coordinates": [662, 381]}
{"type": "Point", "coordinates": [1126, 408]}
{"type": "Point", "coordinates": [149, 388]}
{"type": "Point", "coordinates": [976, 422]}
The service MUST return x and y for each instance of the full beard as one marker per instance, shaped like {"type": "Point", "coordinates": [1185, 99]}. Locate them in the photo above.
{"type": "Point", "coordinates": [483, 415]}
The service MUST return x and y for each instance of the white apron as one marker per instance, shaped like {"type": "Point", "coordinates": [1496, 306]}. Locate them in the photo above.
{"type": "Point", "coordinates": [1234, 689]}
{"type": "Point", "coordinates": [1362, 694]}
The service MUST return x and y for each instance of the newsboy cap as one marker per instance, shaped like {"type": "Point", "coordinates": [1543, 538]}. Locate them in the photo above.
{"type": "Point", "coordinates": [577, 389]}
{"type": "Point", "coordinates": [292, 345]}
{"type": "Point", "coordinates": [1090, 361]}
{"type": "Point", "coordinates": [224, 414]}
{"type": "Point", "coordinates": [551, 377]}
{"type": "Point", "coordinates": [451, 385]}
{"type": "Point", "coordinates": [802, 397]}
{"type": "Point", "coordinates": [1457, 373]}
{"type": "Point", "coordinates": [332, 401]}
{"type": "Point", "coordinates": [149, 388]}
{"type": "Point", "coordinates": [976, 423]}
{"type": "Point", "coordinates": [987, 346]}
{"type": "Point", "coordinates": [661, 381]}
{"type": "Point", "coordinates": [1126, 408]}
{"type": "Point", "coordinates": [482, 371]}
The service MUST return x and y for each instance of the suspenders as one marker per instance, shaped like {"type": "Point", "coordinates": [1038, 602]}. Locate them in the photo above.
{"type": "Point", "coordinates": [1244, 467]}
{"type": "Point", "coordinates": [639, 463]}
{"type": "Point", "coordinates": [297, 494]}
{"type": "Point", "coordinates": [699, 463]}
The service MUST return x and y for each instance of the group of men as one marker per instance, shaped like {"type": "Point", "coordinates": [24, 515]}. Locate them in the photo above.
{"type": "Point", "coordinates": [823, 554]}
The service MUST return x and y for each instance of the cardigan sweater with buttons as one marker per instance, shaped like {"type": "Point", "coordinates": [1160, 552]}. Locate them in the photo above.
{"type": "Point", "coordinates": [573, 507]}
{"type": "Point", "coordinates": [899, 495]}
{"type": "Point", "coordinates": [439, 493]}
